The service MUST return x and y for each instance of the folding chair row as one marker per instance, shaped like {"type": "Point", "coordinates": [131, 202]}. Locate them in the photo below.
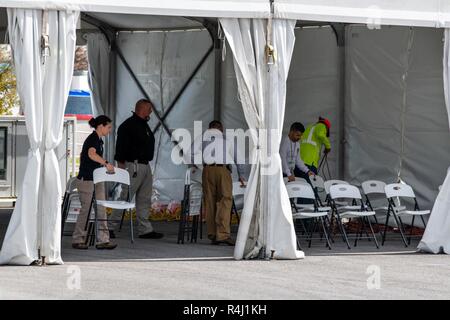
{"type": "Point", "coordinates": [301, 190]}
{"type": "Point", "coordinates": [352, 205]}
{"type": "Point", "coordinates": [392, 194]}
{"type": "Point", "coordinates": [392, 207]}
{"type": "Point", "coordinates": [319, 186]}
{"type": "Point", "coordinates": [357, 210]}
{"type": "Point", "coordinates": [346, 204]}
{"type": "Point", "coordinates": [338, 213]}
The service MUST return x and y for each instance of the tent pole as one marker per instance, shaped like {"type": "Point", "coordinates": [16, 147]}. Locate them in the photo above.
{"type": "Point", "coordinates": [217, 81]}
{"type": "Point", "coordinates": [112, 105]}
{"type": "Point", "coordinates": [339, 30]}
{"type": "Point", "coordinates": [217, 77]}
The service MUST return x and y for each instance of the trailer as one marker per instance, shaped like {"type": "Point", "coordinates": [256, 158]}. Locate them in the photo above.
{"type": "Point", "coordinates": [14, 146]}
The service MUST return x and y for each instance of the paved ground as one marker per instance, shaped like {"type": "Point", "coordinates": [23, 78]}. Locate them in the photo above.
{"type": "Point", "coordinates": [161, 269]}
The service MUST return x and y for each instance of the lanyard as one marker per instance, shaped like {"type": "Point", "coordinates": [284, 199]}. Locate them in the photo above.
{"type": "Point", "coordinates": [291, 161]}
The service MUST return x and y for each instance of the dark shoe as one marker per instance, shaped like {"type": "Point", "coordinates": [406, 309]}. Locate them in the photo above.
{"type": "Point", "coordinates": [112, 235]}
{"type": "Point", "coordinates": [228, 242]}
{"type": "Point", "coordinates": [106, 246]}
{"type": "Point", "coordinates": [212, 237]}
{"type": "Point", "coordinates": [151, 235]}
{"type": "Point", "coordinates": [80, 246]}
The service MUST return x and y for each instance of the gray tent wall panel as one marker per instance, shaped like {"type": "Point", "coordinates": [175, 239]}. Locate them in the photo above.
{"type": "Point", "coordinates": [313, 83]}
{"type": "Point", "coordinates": [163, 62]}
{"type": "Point", "coordinates": [392, 92]}
{"type": "Point", "coordinates": [374, 102]}
{"type": "Point", "coordinates": [427, 141]}
{"type": "Point", "coordinates": [143, 53]}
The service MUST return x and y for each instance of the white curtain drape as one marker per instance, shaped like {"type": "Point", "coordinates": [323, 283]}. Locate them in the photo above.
{"type": "Point", "coordinates": [43, 85]}
{"type": "Point", "coordinates": [99, 50]}
{"type": "Point", "coordinates": [436, 238]}
{"type": "Point", "coordinates": [266, 218]}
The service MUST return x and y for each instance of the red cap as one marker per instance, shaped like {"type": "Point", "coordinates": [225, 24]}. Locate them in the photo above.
{"type": "Point", "coordinates": [326, 122]}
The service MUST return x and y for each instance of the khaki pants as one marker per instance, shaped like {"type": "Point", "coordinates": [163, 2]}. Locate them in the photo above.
{"type": "Point", "coordinates": [141, 186]}
{"type": "Point", "coordinates": [86, 190]}
{"type": "Point", "coordinates": [217, 199]}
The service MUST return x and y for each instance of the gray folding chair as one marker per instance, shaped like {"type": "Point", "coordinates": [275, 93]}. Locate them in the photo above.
{"type": "Point", "coordinates": [354, 211]}
{"type": "Point", "coordinates": [101, 175]}
{"type": "Point", "coordinates": [394, 192]}
{"type": "Point", "coordinates": [305, 191]}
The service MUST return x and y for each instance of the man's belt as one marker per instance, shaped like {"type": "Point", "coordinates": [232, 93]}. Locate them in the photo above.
{"type": "Point", "coordinates": [216, 165]}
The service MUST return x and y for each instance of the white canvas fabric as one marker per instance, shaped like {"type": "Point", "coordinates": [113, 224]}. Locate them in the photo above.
{"type": "Point", "coordinates": [436, 238]}
{"type": "Point", "coordinates": [43, 88]}
{"type": "Point", "coordinates": [430, 13]}
{"type": "Point", "coordinates": [193, 8]}
{"type": "Point", "coordinates": [263, 224]}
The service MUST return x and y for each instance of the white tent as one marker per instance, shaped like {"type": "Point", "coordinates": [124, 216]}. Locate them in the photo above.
{"type": "Point", "coordinates": [347, 83]}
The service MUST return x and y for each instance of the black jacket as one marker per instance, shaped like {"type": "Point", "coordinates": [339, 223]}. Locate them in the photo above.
{"type": "Point", "coordinates": [87, 166]}
{"type": "Point", "coordinates": [135, 141]}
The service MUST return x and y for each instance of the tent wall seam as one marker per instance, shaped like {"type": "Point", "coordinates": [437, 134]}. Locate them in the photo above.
{"type": "Point", "coordinates": [404, 101]}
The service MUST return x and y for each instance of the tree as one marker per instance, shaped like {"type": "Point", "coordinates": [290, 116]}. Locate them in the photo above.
{"type": "Point", "coordinates": [8, 94]}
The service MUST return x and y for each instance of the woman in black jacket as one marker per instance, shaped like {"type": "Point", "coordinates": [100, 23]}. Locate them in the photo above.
{"type": "Point", "coordinates": [91, 158]}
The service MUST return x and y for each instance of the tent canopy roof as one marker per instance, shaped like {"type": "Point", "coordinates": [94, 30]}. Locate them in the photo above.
{"type": "Point", "coordinates": [143, 22]}
{"type": "Point", "coordinates": [420, 13]}
{"type": "Point", "coordinates": [129, 21]}
{"type": "Point", "coordinates": [133, 14]}
{"type": "Point", "coordinates": [193, 8]}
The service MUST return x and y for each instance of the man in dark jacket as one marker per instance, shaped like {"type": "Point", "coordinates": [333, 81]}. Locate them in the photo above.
{"type": "Point", "coordinates": [135, 147]}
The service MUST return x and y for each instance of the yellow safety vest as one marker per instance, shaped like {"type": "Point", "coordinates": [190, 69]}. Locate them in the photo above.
{"type": "Point", "coordinates": [313, 138]}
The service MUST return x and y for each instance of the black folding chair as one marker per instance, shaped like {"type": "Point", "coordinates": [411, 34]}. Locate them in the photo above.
{"type": "Point", "coordinates": [191, 208]}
